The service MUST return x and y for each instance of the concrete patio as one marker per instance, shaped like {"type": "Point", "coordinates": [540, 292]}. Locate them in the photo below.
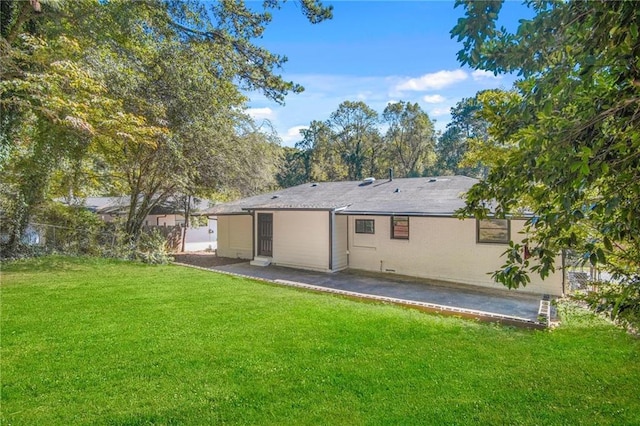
{"type": "Point", "coordinates": [495, 305]}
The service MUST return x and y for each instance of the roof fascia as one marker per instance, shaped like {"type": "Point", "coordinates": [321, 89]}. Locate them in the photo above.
{"type": "Point", "coordinates": [385, 213]}
{"type": "Point", "coordinates": [323, 209]}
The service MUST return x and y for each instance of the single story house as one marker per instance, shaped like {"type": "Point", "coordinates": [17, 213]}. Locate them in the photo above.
{"type": "Point", "coordinates": [397, 226]}
{"type": "Point", "coordinates": [168, 214]}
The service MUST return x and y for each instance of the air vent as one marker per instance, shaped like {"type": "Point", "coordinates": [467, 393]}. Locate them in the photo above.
{"type": "Point", "coordinates": [369, 180]}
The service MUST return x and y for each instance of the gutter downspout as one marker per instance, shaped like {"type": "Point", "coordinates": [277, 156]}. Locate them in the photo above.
{"type": "Point", "coordinates": [254, 249]}
{"type": "Point", "coordinates": [332, 217]}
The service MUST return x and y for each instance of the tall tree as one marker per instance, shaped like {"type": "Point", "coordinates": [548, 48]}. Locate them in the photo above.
{"type": "Point", "coordinates": [410, 139]}
{"type": "Point", "coordinates": [575, 129]}
{"type": "Point", "coordinates": [465, 147]}
{"type": "Point", "coordinates": [356, 138]}
{"type": "Point", "coordinates": [315, 158]}
{"type": "Point", "coordinates": [135, 76]}
{"type": "Point", "coordinates": [51, 107]}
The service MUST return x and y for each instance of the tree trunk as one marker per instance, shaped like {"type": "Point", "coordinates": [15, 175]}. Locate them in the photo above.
{"type": "Point", "coordinates": [187, 213]}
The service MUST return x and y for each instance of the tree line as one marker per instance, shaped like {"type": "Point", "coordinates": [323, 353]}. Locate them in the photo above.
{"type": "Point", "coordinates": [350, 145]}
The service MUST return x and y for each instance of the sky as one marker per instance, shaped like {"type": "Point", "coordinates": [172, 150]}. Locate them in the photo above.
{"type": "Point", "coordinates": [376, 52]}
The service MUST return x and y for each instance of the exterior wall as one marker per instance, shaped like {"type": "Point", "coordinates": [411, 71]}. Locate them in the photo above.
{"type": "Point", "coordinates": [150, 220]}
{"type": "Point", "coordinates": [163, 220]}
{"type": "Point", "coordinates": [339, 251]}
{"type": "Point", "coordinates": [442, 249]}
{"type": "Point", "coordinates": [203, 234]}
{"type": "Point", "coordinates": [234, 236]}
{"type": "Point", "coordinates": [301, 239]}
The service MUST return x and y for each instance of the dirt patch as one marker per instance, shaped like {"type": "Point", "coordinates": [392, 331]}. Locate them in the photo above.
{"type": "Point", "coordinates": [205, 260]}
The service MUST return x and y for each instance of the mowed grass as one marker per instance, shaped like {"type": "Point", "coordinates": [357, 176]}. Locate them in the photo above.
{"type": "Point", "coordinates": [89, 341]}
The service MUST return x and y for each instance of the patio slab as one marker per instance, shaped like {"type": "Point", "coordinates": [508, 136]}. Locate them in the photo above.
{"type": "Point", "coordinates": [462, 300]}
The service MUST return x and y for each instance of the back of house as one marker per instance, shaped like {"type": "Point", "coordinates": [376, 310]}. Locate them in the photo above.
{"type": "Point", "coordinates": [397, 226]}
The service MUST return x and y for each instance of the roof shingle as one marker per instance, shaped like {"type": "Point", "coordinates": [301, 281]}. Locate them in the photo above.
{"type": "Point", "coordinates": [412, 196]}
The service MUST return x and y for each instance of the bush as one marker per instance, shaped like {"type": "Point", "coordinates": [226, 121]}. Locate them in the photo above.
{"type": "Point", "coordinates": [618, 301]}
{"type": "Point", "coordinates": [70, 229]}
{"type": "Point", "coordinates": [152, 248]}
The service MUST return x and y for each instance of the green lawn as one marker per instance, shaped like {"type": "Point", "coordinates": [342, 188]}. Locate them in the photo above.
{"type": "Point", "coordinates": [88, 341]}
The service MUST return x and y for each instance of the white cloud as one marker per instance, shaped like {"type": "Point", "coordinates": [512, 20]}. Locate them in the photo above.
{"type": "Point", "coordinates": [440, 112]}
{"type": "Point", "coordinates": [434, 99]}
{"type": "Point", "coordinates": [479, 75]}
{"type": "Point", "coordinates": [436, 80]}
{"type": "Point", "coordinates": [261, 113]}
{"type": "Point", "coordinates": [363, 96]}
{"type": "Point", "coordinates": [293, 134]}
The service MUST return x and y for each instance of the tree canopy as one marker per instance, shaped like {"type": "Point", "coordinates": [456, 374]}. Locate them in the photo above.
{"type": "Point", "coordinates": [142, 97]}
{"type": "Point", "coordinates": [573, 126]}
{"type": "Point", "coordinates": [350, 145]}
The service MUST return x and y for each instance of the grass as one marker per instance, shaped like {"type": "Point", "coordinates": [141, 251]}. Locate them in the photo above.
{"type": "Point", "coordinates": [89, 341]}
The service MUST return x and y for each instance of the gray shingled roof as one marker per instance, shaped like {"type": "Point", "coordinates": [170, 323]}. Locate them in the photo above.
{"type": "Point", "coordinates": [120, 205]}
{"type": "Point", "coordinates": [412, 196]}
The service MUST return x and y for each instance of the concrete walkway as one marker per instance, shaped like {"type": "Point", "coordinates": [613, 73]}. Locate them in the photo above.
{"type": "Point", "coordinates": [467, 301]}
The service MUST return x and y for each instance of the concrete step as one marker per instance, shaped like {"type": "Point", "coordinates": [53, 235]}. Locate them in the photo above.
{"type": "Point", "coordinates": [260, 261]}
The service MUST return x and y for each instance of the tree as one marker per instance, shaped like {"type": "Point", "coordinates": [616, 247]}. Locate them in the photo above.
{"type": "Point", "coordinates": [294, 170]}
{"type": "Point", "coordinates": [356, 138]}
{"type": "Point", "coordinates": [466, 147]}
{"type": "Point", "coordinates": [410, 138]}
{"type": "Point", "coordinates": [575, 132]}
{"type": "Point", "coordinates": [51, 107]}
{"type": "Point", "coordinates": [133, 80]}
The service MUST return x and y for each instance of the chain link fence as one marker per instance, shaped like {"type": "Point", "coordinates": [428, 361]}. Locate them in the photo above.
{"type": "Point", "coordinates": [108, 240]}
{"type": "Point", "coordinates": [580, 275]}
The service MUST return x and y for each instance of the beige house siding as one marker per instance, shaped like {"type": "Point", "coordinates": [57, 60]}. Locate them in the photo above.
{"type": "Point", "coordinates": [234, 236]}
{"type": "Point", "coordinates": [438, 248]}
{"type": "Point", "coordinates": [301, 239]}
{"type": "Point", "coordinates": [339, 251]}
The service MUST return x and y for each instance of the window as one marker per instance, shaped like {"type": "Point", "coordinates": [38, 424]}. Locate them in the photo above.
{"type": "Point", "coordinates": [400, 227]}
{"type": "Point", "coordinates": [365, 226]}
{"type": "Point", "coordinates": [493, 231]}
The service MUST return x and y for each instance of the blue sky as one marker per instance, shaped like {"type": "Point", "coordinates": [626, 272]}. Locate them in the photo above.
{"type": "Point", "coordinates": [376, 52]}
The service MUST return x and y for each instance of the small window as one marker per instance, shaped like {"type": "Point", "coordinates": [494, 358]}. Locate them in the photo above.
{"type": "Point", "coordinates": [493, 231]}
{"type": "Point", "coordinates": [365, 226]}
{"type": "Point", "coordinates": [400, 227]}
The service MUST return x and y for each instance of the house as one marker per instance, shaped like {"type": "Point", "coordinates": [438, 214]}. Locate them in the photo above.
{"type": "Point", "coordinates": [397, 226]}
{"type": "Point", "coordinates": [167, 214]}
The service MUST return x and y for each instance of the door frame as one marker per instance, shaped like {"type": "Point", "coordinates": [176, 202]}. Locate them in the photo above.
{"type": "Point", "coordinates": [264, 234]}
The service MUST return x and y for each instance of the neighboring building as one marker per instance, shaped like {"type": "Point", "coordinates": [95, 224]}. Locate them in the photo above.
{"type": "Point", "coordinates": [399, 226]}
{"type": "Point", "coordinates": [168, 214]}
{"type": "Point", "coordinates": [165, 214]}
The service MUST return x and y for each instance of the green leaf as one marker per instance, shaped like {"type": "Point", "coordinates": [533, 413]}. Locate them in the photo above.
{"type": "Point", "coordinates": [584, 169]}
